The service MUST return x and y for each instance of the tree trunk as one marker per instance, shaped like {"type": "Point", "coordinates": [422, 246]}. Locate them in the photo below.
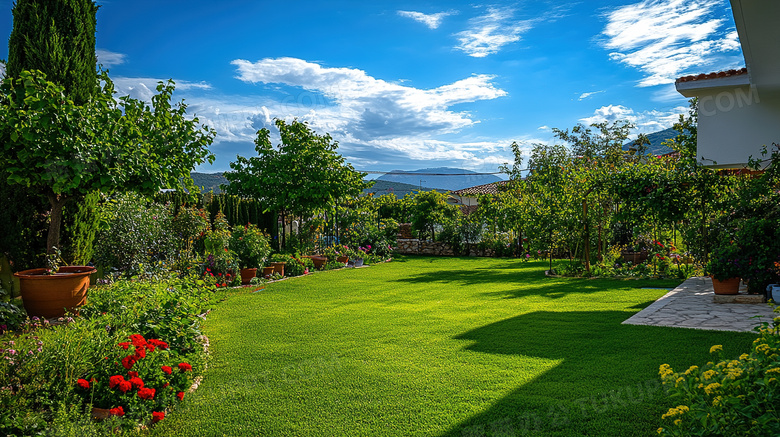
{"type": "Point", "coordinates": [57, 202]}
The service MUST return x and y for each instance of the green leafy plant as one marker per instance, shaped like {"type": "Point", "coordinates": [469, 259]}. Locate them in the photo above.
{"type": "Point", "coordinates": [250, 245]}
{"type": "Point", "coordinates": [728, 397]}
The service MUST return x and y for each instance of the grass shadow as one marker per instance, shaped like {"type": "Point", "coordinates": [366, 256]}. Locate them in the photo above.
{"type": "Point", "coordinates": [592, 382]}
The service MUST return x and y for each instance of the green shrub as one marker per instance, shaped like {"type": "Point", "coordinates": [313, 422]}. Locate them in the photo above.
{"type": "Point", "coordinates": [730, 397]}
{"type": "Point", "coordinates": [250, 245]}
{"type": "Point", "coordinates": [137, 236]}
{"type": "Point", "coordinates": [297, 266]}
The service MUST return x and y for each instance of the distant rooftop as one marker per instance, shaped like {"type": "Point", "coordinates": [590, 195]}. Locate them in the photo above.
{"type": "Point", "coordinates": [491, 188]}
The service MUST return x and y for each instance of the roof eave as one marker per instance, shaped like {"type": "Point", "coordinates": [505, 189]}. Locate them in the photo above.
{"type": "Point", "coordinates": [694, 88]}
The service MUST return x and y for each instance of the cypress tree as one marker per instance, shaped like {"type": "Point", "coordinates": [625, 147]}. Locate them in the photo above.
{"type": "Point", "coordinates": [58, 38]}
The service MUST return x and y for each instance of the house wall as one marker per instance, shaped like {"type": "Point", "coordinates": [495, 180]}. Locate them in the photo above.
{"type": "Point", "coordinates": [735, 123]}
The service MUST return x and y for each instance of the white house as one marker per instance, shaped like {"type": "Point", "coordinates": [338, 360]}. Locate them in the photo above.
{"type": "Point", "coordinates": [739, 110]}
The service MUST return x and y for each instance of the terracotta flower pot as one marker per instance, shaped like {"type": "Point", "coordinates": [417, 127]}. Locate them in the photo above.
{"type": "Point", "coordinates": [268, 271]}
{"type": "Point", "coordinates": [343, 259]}
{"type": "Point", "coordinates": [50, 296]}
{"type": "Point", "coordinates": [728, 286]}
{"type": "Point", "coordinates": [278, 267]}
{"type": "Point", "coordinates": [318, 261]}
{"type": "Point", "coordinates": [247, 275]}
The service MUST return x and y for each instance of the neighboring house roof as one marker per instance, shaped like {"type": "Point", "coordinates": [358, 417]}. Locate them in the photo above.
{"type": "Point", "coordinates": [716, 75]}
{"type": "Point", "coordinates": [491, 188]}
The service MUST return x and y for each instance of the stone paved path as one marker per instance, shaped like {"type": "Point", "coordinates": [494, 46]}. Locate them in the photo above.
{"type": "Point", "coordinates": [690, 305]}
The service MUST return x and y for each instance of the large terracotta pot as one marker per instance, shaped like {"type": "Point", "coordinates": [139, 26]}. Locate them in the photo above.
{"type": "Point", "coordinates": [247, 275]}
{"type": "Point", "coordinates": [318, 260]}
{"type": "Point", "coordinates": [51, 296]}
{"type": "Point", "coordinates": [729, 286]}
{"type": "Point", "coordinates": [268, 271]}
{"type": "Point", "coordinates": [343, 259]}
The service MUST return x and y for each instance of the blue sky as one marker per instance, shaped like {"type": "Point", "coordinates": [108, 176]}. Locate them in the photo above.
{"type": "Point", "coordinates": [409, 85]}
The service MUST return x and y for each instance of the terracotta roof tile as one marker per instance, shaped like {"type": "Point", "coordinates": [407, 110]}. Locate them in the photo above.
{"type": "Point", "coordinates": [715, 75]}
{"type": "Point", "coordinates": [491, 188]}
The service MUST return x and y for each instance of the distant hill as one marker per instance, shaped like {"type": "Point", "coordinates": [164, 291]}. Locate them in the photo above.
{"type": "Point", "coordinates": [209, 181]}
{"type": "Point", "coordinates": [656, 139]}
{"type": "Point", "coordinates": [381, 187]}
{"type": "Point", "coordinates": [443, 178]}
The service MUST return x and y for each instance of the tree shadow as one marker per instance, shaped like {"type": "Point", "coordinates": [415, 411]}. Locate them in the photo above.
{"type": "Point", "coordinates": [607, 377]}
{"type": "Point", "coordinates": [531, 281]}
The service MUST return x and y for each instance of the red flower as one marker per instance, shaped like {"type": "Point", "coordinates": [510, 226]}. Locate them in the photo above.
{"type": "Point", "coordinates": [158, 343]}
{"type": "Point", "coordinates": [138, 340]}
{"type": "Point", "coordinates": [132, 374]}
{"type": "Point", "coordinates": [166, 384]}
{"type": "Point", "coordinates": [180, 395]}
{"type": "Point", "coordinates": [137, 383]}
{"type": "Point", "coordinates": [146, 393]}
{"type": "Point", "coordinates": [140, 352]}
{"type": "Point", "coordinates": [125, 386]}
{"type": "Point", "coordinates": [184, 367]}
{"type": "Point", "coordinates": [125, 345]}
{"type": "Point", "coordinates": [118, 411]}
{"type": "Point", "coordinates": [115, 380]}
{"type": "Point", "coordinates": [128, 361]}
{"type": "Point", "coordinates": [157, 416]}
{"type": "Point", "coordinates": [167, 369]}
{"type": "Point", "coordinates": [83, 383]}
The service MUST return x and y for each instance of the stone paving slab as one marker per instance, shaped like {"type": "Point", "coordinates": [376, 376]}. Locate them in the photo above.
{"type": "Point", "coordinates": [691, 305]}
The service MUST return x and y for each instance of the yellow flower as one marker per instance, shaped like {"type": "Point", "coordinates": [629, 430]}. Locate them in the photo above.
{"type": "Point", "coordinates": [762, 348]}
{"type": "Point", "coordinates": [774, 370]}
{"type": "Point", "coordinates": [771, 380]}
{"type": "Point", "coordinates": [717, 401]}
{"type": "Point", "coordinates": [708, 374]}
{"type": "Point", "coordinates": [735, 373]}
{"type": "Point", "coordinates": [744, 357]}
{"type": "Point", "coordinates": [700, 386]}
{"type": "Point", "coordinates": [711, 388]}
{"type": "Point", "coordinates": [660, 430]}
{"type": "Point", "coordinates": [678, 422]}
{"type": "Point", "coordinates": [716, 348]}
{"type": "Point", "coordinates": [691, 369]}
{"type": "Point", "coordinates": [679, 380]}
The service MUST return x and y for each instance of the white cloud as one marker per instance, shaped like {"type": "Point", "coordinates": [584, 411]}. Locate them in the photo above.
{"type": "Point", "coordinates": [544, 128]}
{"type": "Point", "coordinates": [431, 20]}
{"type": "Point", "coordinates": [645, 122]}
{"type": "Point", "coordinates": [143, 88]}
{"type": "Point", "coordinates": [667, 38]}
{"type": "Point", "coordinates": [488, 33]}
{"type": "Point", "coordinates": [584, 96]}
{"type": "Point", "coordinates": [108, 58]}
{"type": "Point", "coordinates": [366, 107]}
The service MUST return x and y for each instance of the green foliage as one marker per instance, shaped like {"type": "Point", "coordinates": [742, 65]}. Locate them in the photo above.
{"type": "Point", "coordinates": [57, 38]}
{"type": "Point", "coordinates": [62, 150]}
{"type": "Point", "coordinates": [136, 236]}
{"type": "Point", "coordinates": [22, 225]}
{"type": "Point", "coordinates": [301, 175]}
{"type": "Point", "coordinates": [250, 245]}
{"type": "Point", "coordinates": [730, 397]}
{"type": "Point", "coordinates": [430, 209]}
{"type": "Point", "coordinates": [82, 223]}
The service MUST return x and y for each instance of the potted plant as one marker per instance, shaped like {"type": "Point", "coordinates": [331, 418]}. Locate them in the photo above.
{"type": "Point", "coordinates": [50, 292]}
{"type": "Point", "coordinates": [251, 247]}
{"type": "Point", "coordinates": [278, 261]}
{"type": "Point", "coordinates": [725, 268]}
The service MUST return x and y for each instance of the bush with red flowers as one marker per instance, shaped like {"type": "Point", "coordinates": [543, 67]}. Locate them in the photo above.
{"type": "Point", "coordinates": [143, 378]}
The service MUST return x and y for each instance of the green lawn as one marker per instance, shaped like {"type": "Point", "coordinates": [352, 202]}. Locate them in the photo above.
{"type": "Point", "coordinates": [439, 347]}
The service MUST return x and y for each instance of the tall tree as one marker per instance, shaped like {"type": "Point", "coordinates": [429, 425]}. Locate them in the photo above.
{"type": "Point", "coordinates": [61, 150]}
{"type": "Point", "coordinates": [302, 175]}
{"type": "Point", "coordinates": [56, 37]}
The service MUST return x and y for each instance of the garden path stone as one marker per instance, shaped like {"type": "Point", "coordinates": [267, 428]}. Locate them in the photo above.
{"type": "Point", "coordinates": [691, 305]}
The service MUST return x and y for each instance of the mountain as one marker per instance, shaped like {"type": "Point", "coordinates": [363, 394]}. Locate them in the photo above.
{"type": "Point", "coordinates": [442, 178]}
{"type": "Point", "coordinates": [656, 138]}
{"type": "Point", "coordinates": [381, 187]}
{"type": "Point", "coordinates": [209, 181]}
